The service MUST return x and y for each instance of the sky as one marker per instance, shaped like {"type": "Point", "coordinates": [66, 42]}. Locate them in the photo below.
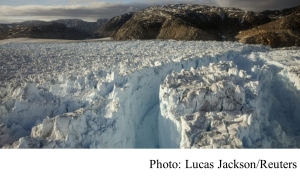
{"type": "Point", "coordinates": [91, 10]}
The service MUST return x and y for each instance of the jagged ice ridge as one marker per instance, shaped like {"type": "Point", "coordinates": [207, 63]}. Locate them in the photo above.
{"type": "Point", "coordinates": [148, 94]}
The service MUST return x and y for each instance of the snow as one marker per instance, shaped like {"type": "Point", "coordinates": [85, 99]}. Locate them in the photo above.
{"type": "Point", "coordinates": [31, 40]}
{"type": "Point", "coordinates": [148, 94]}
{"type": "Point", "coordinates": [219, 106]}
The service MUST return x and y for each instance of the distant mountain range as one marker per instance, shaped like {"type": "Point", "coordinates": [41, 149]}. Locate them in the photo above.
{"type": "Point", "coordinates": [73, 29]}
{"type": "Point", "coordinates": [277, 28]}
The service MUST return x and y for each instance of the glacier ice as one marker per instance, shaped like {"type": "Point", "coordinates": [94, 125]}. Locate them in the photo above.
{"type": "Point", "coordinates": [148, 94]}
{"type": "Point", "coordinates": [218, 106]}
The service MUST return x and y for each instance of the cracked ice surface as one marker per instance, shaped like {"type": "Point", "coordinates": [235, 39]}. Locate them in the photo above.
{"type": "Point", "coordinates": [114, 94]}
{"type": "Point", "coordinates": [218, 106]}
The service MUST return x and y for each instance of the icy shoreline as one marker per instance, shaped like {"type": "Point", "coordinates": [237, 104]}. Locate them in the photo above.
{"type": "Point", "coordinates": [107, 95]}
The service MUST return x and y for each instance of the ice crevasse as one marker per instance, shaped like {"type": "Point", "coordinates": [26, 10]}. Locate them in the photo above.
{"type": "Point", "coordinates": [165, 94]}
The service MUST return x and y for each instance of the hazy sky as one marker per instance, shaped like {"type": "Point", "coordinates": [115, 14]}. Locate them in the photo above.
{"type": "Point", "coordinates": [91, 10]}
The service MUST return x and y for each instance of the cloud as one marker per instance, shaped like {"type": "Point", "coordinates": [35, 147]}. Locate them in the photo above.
{"type": "Point", "coordinates": [251, 5]}
{"type": "Point", "coordinates": [258, 5]}
{"type": "Point", "coordinates": [91, 10]}
{"type": "Point", "coordinates": [88, 12]}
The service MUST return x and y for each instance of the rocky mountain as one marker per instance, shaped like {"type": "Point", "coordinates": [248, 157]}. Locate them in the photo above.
{"type": "Point", "coordinates": [113, 25]}
{"type": "Point", "coordinates": [284, 32]}
{"type": "Point", "coordinates": [4, 27]}
{"type": "Point", "coordinates": [276, 14]}
{"type": "Point", "coordinates": [277, 28]}
{"type": "Point", "coordinates": [198, 22]}
{"type": "Point", "coordinates": [90, 27]}
{"type": "Point", "coordinates": [50, 30]}
{"type": "Point", "coordinates": [187, 22]}
{"type": "Point", "coordinates": [57, 29]}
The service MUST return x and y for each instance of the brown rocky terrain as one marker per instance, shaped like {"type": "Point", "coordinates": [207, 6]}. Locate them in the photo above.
{"type": "Point", "coordinates": [185, 22]}
{"type": "Point", "coordinates": [276, 28]}
{"type": "Point", "coordinates": [154, 26]}
{"type": "Point", "coordinates": [113, 25]}
{"type": "Point", "coordinates": [284, 32]}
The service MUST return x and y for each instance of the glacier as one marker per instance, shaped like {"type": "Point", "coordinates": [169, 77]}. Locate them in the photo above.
{"type": "Point", "coordinates": [149, 94]}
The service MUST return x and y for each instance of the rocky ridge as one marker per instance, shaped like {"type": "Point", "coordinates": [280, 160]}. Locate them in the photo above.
{"type": "Point", "coordinates": [284, 32]}
{"type": "Point", "coordinates": [188, 22]}
{"type": "Point", "coordinates": [199, 22]}
{"type": "Point", "coordinates": [57, 29]}
{"type": "Point", "coordinates": [276, 28]}
{"type": "Point", "coordinates": [113, 25]}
